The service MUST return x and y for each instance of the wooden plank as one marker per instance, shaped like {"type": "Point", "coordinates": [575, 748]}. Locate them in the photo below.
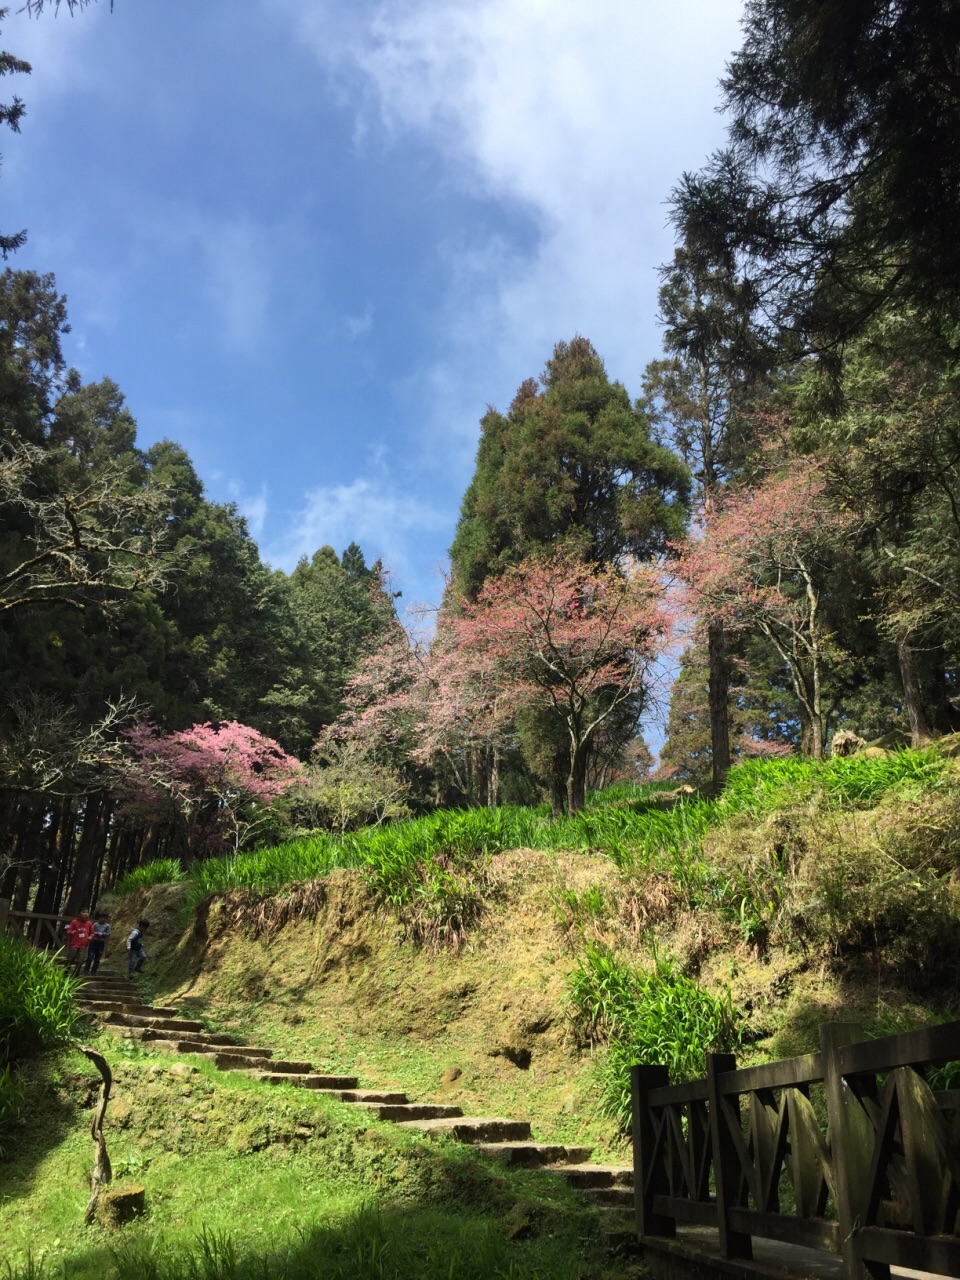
{"type": "Point", "coordinates": [883, 1148]}
{"type": "Point", "coordinates": [930, 1160]}
{"type": "Point", "coordinates": [785, 1074]}
{"type": "Point", "coordinates": [939, 1254]}
{"type": "Point", "coordinates": [851, 1137]}
{"type": "Point", "coordinates": [37, 915]}
{"type": "Point", "coordinates": [726, 1161]}
{"type": "Point", "coordinates": [649, 1171]}
{"type": "Point", "coordinates": [702, 1211]}
{"type": "Point", "coordinates": [675, 1094]}
{"type": "Point", "coordinates": [815, 1233]}
{"type": "Point", "coordinates": [913, 1048]}
{"type": "Point", "coordinates": [810, 1165]}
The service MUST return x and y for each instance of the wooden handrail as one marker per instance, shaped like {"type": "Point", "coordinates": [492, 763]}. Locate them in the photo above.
{"type": "Point", "coordinates": [879, 1183]}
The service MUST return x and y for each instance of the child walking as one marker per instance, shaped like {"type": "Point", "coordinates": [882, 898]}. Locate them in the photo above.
{"type": "Point", "coordinates": [101, 932]}
{"type": "Point", "coordinates": [79, 933]}
{"type": "Point", "coordinates": [137, 957]}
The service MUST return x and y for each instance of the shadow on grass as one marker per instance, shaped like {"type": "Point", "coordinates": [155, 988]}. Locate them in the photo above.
{"type": "Point", "coordinates": [57, 1089]}
{"type": "Point", "coordinates": [871, 991]}
{"type": "Point", "coordinates": [453, 1242]}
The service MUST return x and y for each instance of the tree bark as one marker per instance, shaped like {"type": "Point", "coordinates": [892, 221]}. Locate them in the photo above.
{"type": "Point", "coordinates": [576, 788]}
{"type": "Point", "coordinates": [102, 1172]}
{"type": "Point", "coordinates": [718, 688]}
{"type": "Point", "coordinates": [95, 822]}
{"type": "Point", "coordinates": [919, 727]}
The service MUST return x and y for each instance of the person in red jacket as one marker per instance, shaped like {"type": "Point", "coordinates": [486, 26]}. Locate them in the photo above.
{"type": "Point", "coordinates": [79, 935]}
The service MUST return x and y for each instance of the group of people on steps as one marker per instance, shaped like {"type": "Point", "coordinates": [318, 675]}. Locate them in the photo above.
{"type": "Point", "coordinates": [87, 941]}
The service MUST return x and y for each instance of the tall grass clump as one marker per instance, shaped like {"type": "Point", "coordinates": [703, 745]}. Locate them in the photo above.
{"type": "Point", "coordinates": [661, 1017]}
{"type": "Point", "coordinates": [759, 787]}
{"type": "Point", "coordinates": [38, 1010]}
{"type": "Point", "coordinates": [38, 1006]}
{"type": "Point", "coordinates": [160, 871]}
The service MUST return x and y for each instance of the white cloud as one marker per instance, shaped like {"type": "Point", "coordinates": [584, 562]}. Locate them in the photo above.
{"type": "Point", "coordinates": [360, 325]}
{"type": "Point", "coordinates": [377, 513]}
{"type": "Point", "coordinates": [578, 117]}
{"type": "Point", "coordinates": [253, 507]}
{"type": "Point", "coordinates": [237, 282]}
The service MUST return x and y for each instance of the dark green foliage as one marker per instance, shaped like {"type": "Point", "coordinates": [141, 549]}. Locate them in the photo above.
{"type": "Point", "coordinates": [573, 460]}
{"type": "Point", "coordinates": [838, 191]}
{"type": "Point", "coordinates": [338, 610]}
{"type": "Point", "coordinates": [38, 1007]}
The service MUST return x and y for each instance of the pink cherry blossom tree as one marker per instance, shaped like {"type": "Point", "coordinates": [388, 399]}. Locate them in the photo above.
{"type": "Point", "coordinates": [760, 565]}
{"type": "Point", "coordinates": [424, 704]}
{"type": "Point", "coordinates": [570, 640]}
{"type": "Point", "coordinates": [216, 780]}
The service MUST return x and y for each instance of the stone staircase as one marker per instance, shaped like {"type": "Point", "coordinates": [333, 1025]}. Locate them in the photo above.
{"type": "Point", "coordinates": [115, 1002]}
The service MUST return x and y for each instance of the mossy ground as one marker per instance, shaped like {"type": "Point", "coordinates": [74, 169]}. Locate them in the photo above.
{"type": "Point", "coordinates": [257, 1171]}
{"type": "Point", "coordinates": [485, 1028]}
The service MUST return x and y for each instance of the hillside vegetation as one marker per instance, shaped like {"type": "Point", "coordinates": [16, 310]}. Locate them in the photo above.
{"type": "Point", "coordinates": [520, 981]}
{"type": "Point", "coordinates": [534, 958]}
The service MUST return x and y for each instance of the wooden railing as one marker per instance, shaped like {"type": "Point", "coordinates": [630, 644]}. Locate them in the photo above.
{"type": "Point", "coordinates": [37, 927]}
{"type": "Point", "coordinates": [848, 1150]}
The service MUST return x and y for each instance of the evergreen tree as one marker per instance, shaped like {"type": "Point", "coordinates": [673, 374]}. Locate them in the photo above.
{"type": "Point", "coordinates": [839, 190]}
{"type": "Point", "coordinates": [572, 461]}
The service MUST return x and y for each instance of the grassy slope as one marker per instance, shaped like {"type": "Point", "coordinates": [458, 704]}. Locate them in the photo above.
{"type": "Point", "coordinates": [343, 989]}
{"type": "Point", "coordinates": [237, 1173]}
{"type": "Point", "coordinates": [810, 893]}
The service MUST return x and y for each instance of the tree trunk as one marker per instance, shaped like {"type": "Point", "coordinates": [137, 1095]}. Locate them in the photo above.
{"type": "Point", "coordinates": [919, 728]}
{"type": "Point", "coordinates": [68, 833]}
{"type": "Point", "coordinates": [47, 883]}
{"type": "Point", "coordinates": [89, 853]}
{"type": "Point", "coordinates": [719, 683]}
{"type": "Point", "coordinates": [577, 777]}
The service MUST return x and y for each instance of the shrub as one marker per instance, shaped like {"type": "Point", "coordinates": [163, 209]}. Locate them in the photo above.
{"type": "Point", "coordinates": [661, 1017]}
{"type": "Point", "coordinates": [160, 871]}
{"type": "Point", "coordinates": [38, 1008]}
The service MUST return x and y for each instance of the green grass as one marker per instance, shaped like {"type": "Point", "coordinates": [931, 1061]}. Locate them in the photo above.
{"type": "Point", "coordinates": [430, 869]}
{"type": "Point", "coordinates": [38, 1012]}
{"type": "Point", "coordinates": [244, 1180]}
{"type": "Point", "coordinates": [38, 1008]}
{"type": "Point", "coordinates": [659, 1017]}
{"type": "Point", "coordinates": [160, 871]}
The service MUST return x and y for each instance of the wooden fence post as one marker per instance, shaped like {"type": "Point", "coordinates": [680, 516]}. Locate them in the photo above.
{"type": "Point", "coordinates": [649, 1174]}
{"type": "Point", "coordinates": [851, 1136]}
{"type": "Point", "coordinates": [726, 1162]}
{"type": "Point", "coordinates": [4, 914]}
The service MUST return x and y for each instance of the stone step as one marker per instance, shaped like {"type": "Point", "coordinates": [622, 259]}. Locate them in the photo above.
{"type": "Point", "coordinates": [406, 1111]}
{"type": "Point", "coordinates": [158, 1024]}
{"type": "Point", "coordinates": [611, 1197]}
{"type": "Point", "coordinates": [240, 1060]}
{"type": "Point", "coordinates": [191, 1037]}
{"type": "Point", "coordinates": [219, 1038]}
{"type": "Point", "coordinates": [534, 1153]}
{"type": "Point", "coordinates": [364, 1095]}
{"type": "Point", "coordinates": [473, 1129]}
{"type": "Point", "coordinates": [117, 1006]}
{"type": "Point", "coordinates": [309, 1080]}
{"type": "Point", "coordinates": [585, 1176]}
{"type": "Point", "coordinates": [110, 993]}
{"type": "Point", "coordinates": [201, 1049]}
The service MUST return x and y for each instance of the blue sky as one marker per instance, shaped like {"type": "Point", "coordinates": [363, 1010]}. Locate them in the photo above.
{"type": "Point", "coordinates": [312, 241]}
